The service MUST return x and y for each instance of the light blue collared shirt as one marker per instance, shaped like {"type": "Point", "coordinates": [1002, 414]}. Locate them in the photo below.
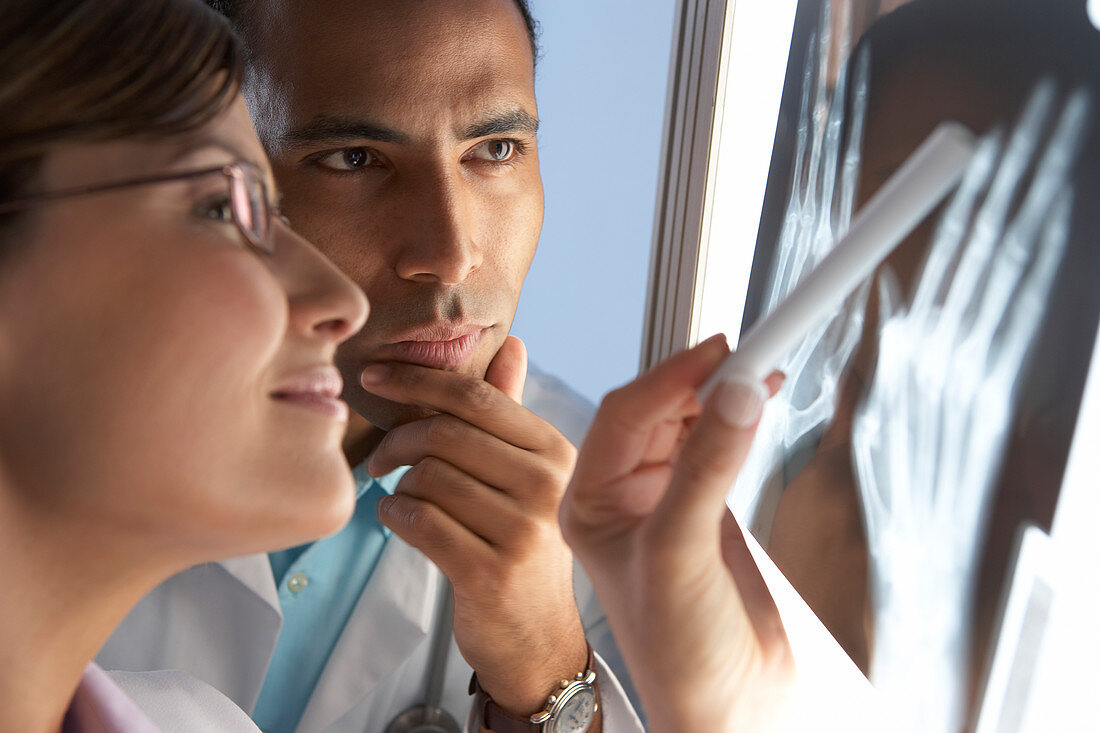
{"type": "Point", "coordinates": [319, 584]}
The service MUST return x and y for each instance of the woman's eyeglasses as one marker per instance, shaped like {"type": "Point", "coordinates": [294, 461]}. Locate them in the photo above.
{"type": "Point", "coordinates": [247, 195]}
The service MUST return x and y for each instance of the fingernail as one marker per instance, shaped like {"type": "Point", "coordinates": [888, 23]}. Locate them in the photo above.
{"type": "Point", "coordinates": [374, 374]}
{"type": "Point", "coordinates": [718, 337]}
{"type": "Point", "coordinates": [740, 401]}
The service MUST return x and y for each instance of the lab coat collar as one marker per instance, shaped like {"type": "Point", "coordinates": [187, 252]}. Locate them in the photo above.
{"type": "Point", "coordinates": [254, 572]}
{"type": "Point", "coordinates": [400, 598]}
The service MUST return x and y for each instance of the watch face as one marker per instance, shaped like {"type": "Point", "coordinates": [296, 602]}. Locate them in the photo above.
{"type": "Point", "coordinates": [575, 714]}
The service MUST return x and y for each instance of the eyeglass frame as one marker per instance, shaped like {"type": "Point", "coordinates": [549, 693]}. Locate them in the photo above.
{"type": "Point", "coordinates": [238, 171]}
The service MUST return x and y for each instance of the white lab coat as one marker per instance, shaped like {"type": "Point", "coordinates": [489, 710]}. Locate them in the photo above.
{"type": "Point", "coordinates": [219, 622]}
{"type": "Point", "coordinates": [175, 702]}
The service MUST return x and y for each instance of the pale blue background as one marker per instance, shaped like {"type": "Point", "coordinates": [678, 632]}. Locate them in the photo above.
{"type": "Point", "coordinates": [601, 83]}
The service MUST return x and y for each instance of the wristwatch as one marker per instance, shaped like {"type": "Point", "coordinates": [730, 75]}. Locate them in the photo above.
{"type": "Point", "coordinates": [570, 709]}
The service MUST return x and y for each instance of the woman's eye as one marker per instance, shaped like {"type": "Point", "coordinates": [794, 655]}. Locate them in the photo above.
{"type": "Point", "coordinates": [496, 151]}
{"type": "Point", "coordinates": [348, 159]}
{"type": "Point", "coordinates": [219, 208]}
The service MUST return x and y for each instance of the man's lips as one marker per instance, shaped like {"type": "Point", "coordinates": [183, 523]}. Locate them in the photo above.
{"type": "Point", "coordinates": [316, 389]}
{"type": "Point", "coordinates": [439, 346]}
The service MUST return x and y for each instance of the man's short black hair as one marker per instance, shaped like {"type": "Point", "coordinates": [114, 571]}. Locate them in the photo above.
{"type": "Point", "coordinates": [232, 9]}
{"type": "Point", "coordinates": [532, 27]}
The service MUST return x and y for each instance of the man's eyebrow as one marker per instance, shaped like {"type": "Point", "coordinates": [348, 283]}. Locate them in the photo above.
{"type": "Point", "coordinates": [337, 130]}
{"type": "Point", "coordinates": [512, 121]}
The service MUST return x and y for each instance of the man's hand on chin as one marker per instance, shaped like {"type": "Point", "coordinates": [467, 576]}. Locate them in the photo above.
{"type": "Point", "coordinates": [481, 501]}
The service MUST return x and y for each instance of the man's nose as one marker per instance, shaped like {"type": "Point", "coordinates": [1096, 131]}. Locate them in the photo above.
{"type": "Point", "coordinates": [441, 241]}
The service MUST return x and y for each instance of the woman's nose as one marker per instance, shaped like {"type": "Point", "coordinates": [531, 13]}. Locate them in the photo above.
{"type": "Point", "coordinates": [324, 303]}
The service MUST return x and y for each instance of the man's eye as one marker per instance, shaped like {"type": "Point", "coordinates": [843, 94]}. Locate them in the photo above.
{"type": "Point", "coordinates": [218, 208]}
{"type": "Point", "coordinates": [496, 151]}
{"type": "Point", "coordinates": [348, 159]}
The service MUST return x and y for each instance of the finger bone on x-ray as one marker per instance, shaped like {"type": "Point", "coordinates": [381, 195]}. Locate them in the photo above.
{"type": "Point", "coordinates": [928, 439]}
{"type": "Point", "coordinates": [818, 214]}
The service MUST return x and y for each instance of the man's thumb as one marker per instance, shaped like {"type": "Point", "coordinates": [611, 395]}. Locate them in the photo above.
{"type": "Point", "coordinates": [508, 369]}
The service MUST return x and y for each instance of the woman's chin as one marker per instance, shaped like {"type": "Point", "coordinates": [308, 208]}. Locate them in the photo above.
{"type": "Point", "coordinates": [329, 501]}
{"type": "Point", "coordinates": [302, 504]}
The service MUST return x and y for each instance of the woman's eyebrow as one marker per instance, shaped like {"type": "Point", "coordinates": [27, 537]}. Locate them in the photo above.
{"type": "Point", "coordinates": [193, 147]}
{"type": "Point", "coordinates": [198, 146]}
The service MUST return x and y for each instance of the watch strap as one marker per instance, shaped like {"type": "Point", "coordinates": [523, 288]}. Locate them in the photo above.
{"type": "Point", "coordinates": [499, 720]}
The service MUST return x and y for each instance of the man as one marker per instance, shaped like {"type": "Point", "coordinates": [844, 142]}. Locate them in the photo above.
{"type": "Point", "coordinates": [403, 136]}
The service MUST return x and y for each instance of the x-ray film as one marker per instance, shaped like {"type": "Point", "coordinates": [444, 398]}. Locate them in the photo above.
{"type": "Point", "coordinates": [926, 421]}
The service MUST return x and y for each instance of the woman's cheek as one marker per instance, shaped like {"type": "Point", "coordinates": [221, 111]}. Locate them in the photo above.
{"type": "Point", "coordinates": [233, 316]}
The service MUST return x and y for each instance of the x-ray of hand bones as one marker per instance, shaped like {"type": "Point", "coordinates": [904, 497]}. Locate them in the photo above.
{"type": "Point", "coordinates": [928, 440]}
{"type": "Point", "coordinates": [818, 214]}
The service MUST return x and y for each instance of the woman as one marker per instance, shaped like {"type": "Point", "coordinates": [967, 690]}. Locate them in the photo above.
{"type": "Point", "coordinates": [165, 339]}
{"type": "Point", "coordinates": [168, 399]}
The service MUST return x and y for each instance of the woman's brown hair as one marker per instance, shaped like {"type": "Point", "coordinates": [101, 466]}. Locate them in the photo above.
{"type": "Point", "coordinates": [97, 70]}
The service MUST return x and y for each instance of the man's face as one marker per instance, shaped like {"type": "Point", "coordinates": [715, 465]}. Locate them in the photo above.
{"type": "Point", "coordinates": [402, 133]}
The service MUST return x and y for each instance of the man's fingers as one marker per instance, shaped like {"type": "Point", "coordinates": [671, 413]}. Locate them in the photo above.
{"type": "Point", "coordinates": [527, 476]}
{"type": "Point", "coordinates": [443, 539]}
{"type": "Point", "coordinates": [466, 397]}
{"type": "Point", "coordinates": [479, 508]}
{"type": "Point", "coordinates": [709, 462]}
{"type": "Point", "coordinates": [508, 369]}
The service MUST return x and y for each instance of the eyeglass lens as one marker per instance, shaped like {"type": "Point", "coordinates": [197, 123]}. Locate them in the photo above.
{"type": "Point", "coordinates": [249, 198]}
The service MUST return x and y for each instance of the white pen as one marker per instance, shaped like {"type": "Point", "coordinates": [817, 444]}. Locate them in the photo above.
{"type": "Point", "coordinates": [893, 212]}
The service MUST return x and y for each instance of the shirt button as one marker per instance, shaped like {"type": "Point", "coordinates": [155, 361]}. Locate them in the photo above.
{"type": "Point", "coordinates": [297, 583]}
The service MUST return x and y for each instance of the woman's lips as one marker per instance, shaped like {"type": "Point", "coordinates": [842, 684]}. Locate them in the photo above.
{"type": "Point", "coordinates": [332, 407]}
{"type": "Point", "coordinates": [439, 351]}
{"type": "Point", "coordinates": [316, 389]}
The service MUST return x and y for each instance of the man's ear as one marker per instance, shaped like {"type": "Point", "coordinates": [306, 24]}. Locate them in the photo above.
{"type": "Point", "coordinates": [508, 369]}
